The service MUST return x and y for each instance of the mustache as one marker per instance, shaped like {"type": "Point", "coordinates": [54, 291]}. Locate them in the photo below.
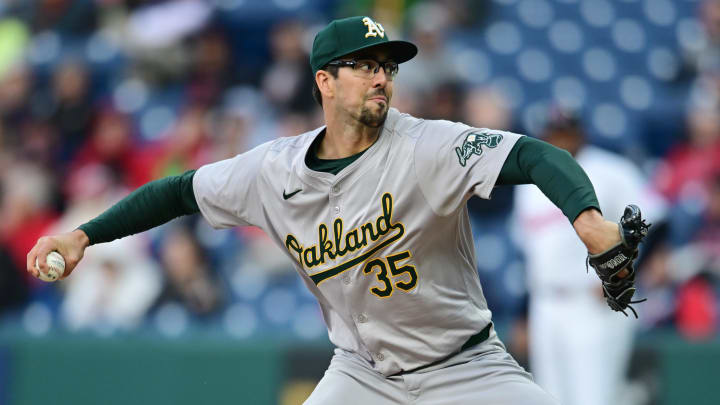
{"type": "Point", "coordinates": [379, 93]}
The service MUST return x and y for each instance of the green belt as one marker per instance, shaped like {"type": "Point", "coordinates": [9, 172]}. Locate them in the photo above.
{"type": "Point", "coordinates": [472, 341]}
{"type": "Point", "coordinates": [478, 337]}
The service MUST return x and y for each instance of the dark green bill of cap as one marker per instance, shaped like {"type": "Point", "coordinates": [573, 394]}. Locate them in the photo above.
{"type": "Point", "coordinates": [348, 35]}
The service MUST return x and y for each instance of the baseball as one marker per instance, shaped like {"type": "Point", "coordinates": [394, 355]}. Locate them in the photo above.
{"type": "Point", "coordinates": [56, 267]}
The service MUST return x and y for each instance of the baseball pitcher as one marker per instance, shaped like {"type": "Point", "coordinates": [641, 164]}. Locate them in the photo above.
{"type": "Point", "coordinates": [371, 209]}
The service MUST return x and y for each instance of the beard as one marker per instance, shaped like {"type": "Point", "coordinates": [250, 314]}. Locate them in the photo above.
{"type": "Point", "coordinates": [373, 119]}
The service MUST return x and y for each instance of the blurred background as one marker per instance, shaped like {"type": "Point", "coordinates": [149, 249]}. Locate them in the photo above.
{"type": "Point", "coordinates": [98, 97]}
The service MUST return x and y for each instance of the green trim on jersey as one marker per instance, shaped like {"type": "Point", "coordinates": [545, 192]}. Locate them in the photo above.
{"type": "Point", "coordinates": [553, 171]}
{"type": "Point", "coordinates": [151, 205]}
{"type": "Point", "coordinates": [332, 166]}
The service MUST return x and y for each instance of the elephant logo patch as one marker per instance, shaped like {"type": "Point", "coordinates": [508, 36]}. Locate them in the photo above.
{"type": "Point", "coordinates": [473, 143]}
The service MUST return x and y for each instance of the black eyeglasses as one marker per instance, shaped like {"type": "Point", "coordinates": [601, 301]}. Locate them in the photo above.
{"type": "Point", "coordinates": [367, 68]}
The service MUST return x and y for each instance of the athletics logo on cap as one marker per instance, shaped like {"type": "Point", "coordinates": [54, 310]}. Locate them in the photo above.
{"type": "Point", "coordinates": [374, 29]}
{"type": "Point", "coordinates": [353, 34]}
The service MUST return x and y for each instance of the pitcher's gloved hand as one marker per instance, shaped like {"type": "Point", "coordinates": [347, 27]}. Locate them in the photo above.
{"type": "Point", "coordinates": [619, 291]}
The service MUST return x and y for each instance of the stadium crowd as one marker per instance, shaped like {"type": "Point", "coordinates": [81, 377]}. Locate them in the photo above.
{"type": "Point", "coordinates": [98, 97]}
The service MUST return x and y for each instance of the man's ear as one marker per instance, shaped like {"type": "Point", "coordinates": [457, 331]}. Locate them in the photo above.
{"type": "Point", "coordinates": [325, 83]}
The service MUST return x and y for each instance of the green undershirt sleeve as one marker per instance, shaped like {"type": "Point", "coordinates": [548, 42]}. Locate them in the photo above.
{"type": "Point", "coordinates": [553, 171]}
{"type": "Point", "coordinates": [151, 205]}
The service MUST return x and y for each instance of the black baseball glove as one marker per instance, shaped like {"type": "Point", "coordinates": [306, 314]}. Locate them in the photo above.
{"type": "Point", "coordinates": [618, 291]}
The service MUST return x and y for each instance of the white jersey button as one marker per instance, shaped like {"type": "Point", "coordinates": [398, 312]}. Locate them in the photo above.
{"type": "Point", "coordinates": [380, 356]}
{"type": "Point", "coordinates": [336, 189]}
{"type": "Point", "coordinates": [337, 209]}
{"type": "Point", "coordinates": [362, 318]}
{"type": "Point", "coordinates": [346, 279]}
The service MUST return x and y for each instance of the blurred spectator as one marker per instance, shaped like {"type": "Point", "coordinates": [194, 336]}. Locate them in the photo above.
{"type": "Point", "coordinates": [117, 282]}
{"type": "Point", "coordinates": [709, 236]}
{"type": "Point", "coordinates": [288, 79]}
{"type": "Point", "coordinates": [259, 122]}
{"type": "Point", "coordinates": [211, 69]}
{"type": "Point", "coordinates": [113, 145]}
{"type": "Point", "coordinates": [113, 290]}
{"type": "Point", "coordinates": [189, 280]}
{"type": "Point", "coordinates": [26, 212]}
{"type": "Point", "coordinates": [443, 101]}
{"type": "Point", "coordinates": [697, 266]}
{"type": "Point", "coordinates": [39, 144]}
{"type": "Point", "coordinates": [186, 146]}
{"type": "Point", "coordinates": [294, 124]}
{"type": "Point", "coordinates": [690, 164]}
{"type": "Point", "coordinates": [486, 107]}
{"type": "Point", "coordinates": [15, 87]}
{"type": "Point", "coordinates": [709, 13]}
{"type": "Point", "coordinates": [408, 101]}
{"type": "Point", "coordinates": [231, 129]}
{"type": "Point", "coordinates": [703, 51]}
{"type": "Point", "coordinates": [433, 64]}
{"type": "Point", "coordinates": [466, 13]}
{"type": "Point", "coordinates": [657, 283]}
{"type": "Point", "coordinates": [697, 308]}
{"type": "Point", "coordinates": [154, 35]}
{"type": "Point", "coordinates": [584, 364]}
{"type": "Point", "coordinates": [71, 108]}
{"type": "Point", "coordinates": [75, 17]}
{"type": "Point", "coordinates": [156, 24]}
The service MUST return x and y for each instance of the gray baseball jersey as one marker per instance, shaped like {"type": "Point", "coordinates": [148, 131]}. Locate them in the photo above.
{"type": "Point", "coordinates": [385, 245]}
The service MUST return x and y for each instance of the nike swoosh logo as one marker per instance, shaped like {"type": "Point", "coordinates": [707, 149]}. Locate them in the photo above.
{"type": "Point", "coordinates": [286, 196]}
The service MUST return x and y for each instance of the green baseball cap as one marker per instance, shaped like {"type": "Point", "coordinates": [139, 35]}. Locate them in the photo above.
{"type": "Point", "coordinates": [348, 35]}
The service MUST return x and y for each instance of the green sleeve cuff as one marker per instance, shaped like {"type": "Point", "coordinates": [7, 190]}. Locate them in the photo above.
{"type": "Point", "coordinates": [149, 206]}
{"type": "Point", "coordinates": [554, 172]}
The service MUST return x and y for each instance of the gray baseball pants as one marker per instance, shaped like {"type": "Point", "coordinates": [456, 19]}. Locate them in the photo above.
{"type": "Point", "coordinates": [482, 374]}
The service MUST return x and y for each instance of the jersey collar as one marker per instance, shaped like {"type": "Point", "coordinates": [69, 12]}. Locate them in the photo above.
{"type": "Point", "coordinates": [322, 180]}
